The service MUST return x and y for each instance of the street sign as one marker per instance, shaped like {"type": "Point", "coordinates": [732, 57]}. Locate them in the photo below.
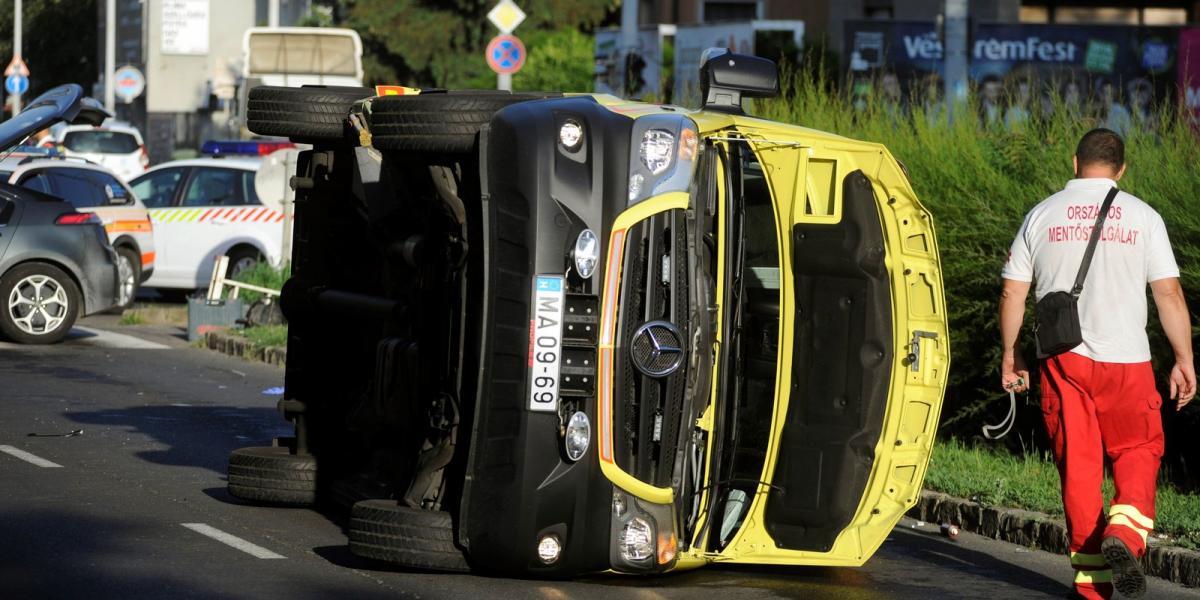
{"type": "Point", "coordinates": [505, 54]}
{"type": "Point", "coordinates": [129, 83]}
{"type": "Point", "coordinates": [16, 85]}
{"type": "Point", "coordinates": [506, 15]}
{"type": "Point", "coordinates": [16, 67]}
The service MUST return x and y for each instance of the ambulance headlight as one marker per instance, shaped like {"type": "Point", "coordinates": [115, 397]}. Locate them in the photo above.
{"type": "Point", "coordinates": [636, 542]}
{"type": "Point", "coordinates": [656, 150]}
{"type": "Point", "coordinates": [586, 254]}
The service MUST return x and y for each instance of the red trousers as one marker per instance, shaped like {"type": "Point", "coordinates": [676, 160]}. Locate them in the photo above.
{"type": "Point", "coordinates": [1092, 409]}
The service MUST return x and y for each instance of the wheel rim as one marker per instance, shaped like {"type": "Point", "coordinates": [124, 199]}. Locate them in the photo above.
{"type": "Point", "coordinates": [125, 275]}
{"type": "Point", "coordinates": [38, 305]}
{"type": "Point", "coordinates": [242, 265]}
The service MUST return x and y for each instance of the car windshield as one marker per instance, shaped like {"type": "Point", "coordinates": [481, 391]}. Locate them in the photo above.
{"type": "Point", "coordinates": [104, 142]}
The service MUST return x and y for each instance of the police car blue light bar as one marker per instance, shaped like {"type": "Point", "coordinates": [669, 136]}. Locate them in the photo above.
{"type": "Point", "coordinates": [242, 148]}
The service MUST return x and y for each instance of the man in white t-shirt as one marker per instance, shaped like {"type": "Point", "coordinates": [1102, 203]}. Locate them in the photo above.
{"type": "Point", "coordinates": [1100, 397]}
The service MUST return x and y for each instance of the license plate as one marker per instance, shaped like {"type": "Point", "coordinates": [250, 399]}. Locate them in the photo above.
{"type": "Point", "coordinates": [545, 343]}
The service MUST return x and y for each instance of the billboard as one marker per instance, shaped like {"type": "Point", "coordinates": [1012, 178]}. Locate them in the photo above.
{"type": "Point", "coordinates": [1091, 56]}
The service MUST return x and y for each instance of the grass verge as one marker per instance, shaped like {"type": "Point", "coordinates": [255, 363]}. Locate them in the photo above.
{"type": "Point", "coordinates": [265, 335]}
{"type": "Point", "coordinates": [1030, 482]}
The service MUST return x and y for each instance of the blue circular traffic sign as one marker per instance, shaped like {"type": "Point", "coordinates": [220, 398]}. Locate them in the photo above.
{"type": "Point", "coordinates": [16, 84]}
{"type": "Point", "coordinates": [505, 54]}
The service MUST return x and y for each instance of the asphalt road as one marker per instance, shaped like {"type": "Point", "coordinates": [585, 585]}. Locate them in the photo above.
{"type": "Point", "coordinates": [132, 503]}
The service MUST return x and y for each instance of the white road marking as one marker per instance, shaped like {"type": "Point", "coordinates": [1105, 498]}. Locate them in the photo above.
{"type": "Point", "coordinates": [232, 540]}
{"type": "Point", "coordinates": [29, 458]}
{"type": "Point", "coordinates": [112, 339]}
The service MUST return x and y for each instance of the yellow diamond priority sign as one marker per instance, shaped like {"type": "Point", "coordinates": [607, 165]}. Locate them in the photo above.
{"type": "Point", "coordinates": [506, 15]}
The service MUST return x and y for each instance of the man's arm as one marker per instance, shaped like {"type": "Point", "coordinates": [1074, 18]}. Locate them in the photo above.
{"type": "Point", "coordinates": [1012, 314]}
{"type": "Point", "coordinates": [1177, 324]}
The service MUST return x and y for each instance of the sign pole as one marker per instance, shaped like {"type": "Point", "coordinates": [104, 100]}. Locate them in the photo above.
{"type": "Point", "coordinates": [16, 49]}
{"type": "Point", "coordinates": [504, 81]}
{"type": "Point", "coordinates": [955, 27]}
{"type": "Point", "coordinates": [110, 55]}
{"type": "Point", "coordinates": [629, 41]}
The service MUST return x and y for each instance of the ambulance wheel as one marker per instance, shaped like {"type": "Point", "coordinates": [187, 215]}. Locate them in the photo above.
{"type": "Point", "coordinates": [242, 259]}
{"type": "Point", "coordinates": [408, 537]}
{"type": "Point", "coordinates": [437, 122]}
{"type": "Point", "coordinates": [273, 475]}
{"type": "Point", "coordinates": [311, 114]}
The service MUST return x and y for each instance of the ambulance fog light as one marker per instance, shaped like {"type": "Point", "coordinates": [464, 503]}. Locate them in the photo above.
{"type": "Point", "coordinates": [549, 549]}
{"type": "Point", "coordinates": [586, 254]}
{"type": "Point", "coordinates": [570, 135]}
{"type": "Point", "coordinates": [578, 436]}
{"type": "Point", "coordinates": [635, 186]}
{"type": "Point", "coordinates": [636, 541]}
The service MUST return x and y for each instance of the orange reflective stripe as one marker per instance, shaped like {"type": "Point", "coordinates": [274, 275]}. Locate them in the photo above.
{"type": "Point", "coordinates": [141, 225]}
{"type": "Point", "coordinates": [147, 258]}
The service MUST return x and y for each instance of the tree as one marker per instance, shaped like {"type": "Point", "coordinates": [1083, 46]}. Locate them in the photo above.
{"type": "Point", "coordinates": [441, 42]}
{"type": "Point", "coordinates": [59, 42]}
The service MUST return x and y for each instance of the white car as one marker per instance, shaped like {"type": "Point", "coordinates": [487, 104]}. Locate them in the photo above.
{"type": "Point", "coordinates": [95, 189]}
{"type": "Point", "coordinates": [118, 147]}
{"type": "Point", "coordinates": [203, 208]}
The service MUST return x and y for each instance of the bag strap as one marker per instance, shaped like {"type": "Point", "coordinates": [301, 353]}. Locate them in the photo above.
{"type": "Point", "coordinates": [1092, 241]}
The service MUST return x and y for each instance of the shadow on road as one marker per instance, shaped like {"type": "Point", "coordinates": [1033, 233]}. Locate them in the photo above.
{"type": "Point", "coordinates": [195, 436]}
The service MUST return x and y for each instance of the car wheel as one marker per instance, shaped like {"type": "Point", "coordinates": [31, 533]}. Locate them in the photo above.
{"type": "Point", "coordinates": [41, 304]}
{"type": "Point", "coordinates": [408, 537]}
{"type": "Point", "coordinates": [241, 260]}
{"type": "Point", "coordinates": [312, 114]}
{"type": "Point", "coordinates": [273, 475]}
{"type": "Point", "coordinates": [439, 122]}
{"type": "Point", "coordinates": [129, 273]}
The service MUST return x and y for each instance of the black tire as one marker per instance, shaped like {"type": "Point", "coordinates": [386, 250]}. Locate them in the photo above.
{"type": "Point", "coordinates": [273, 475]}
{"type": "Point", "coordinates": [311, 114]}
{"type": "Point", "coordinates": [441, 122]}
{"type": "Point", "coordinates": [241, 260]}
{"type": "Point", "coordinates": [19, 276]}
{"type": "Point", "coordinates": [135, 264]}
{"type": "Point", "coordinates": [408, 537]}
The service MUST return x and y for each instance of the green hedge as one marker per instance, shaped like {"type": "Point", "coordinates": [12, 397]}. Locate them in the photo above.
{"type": "Point", "coordinates": [979, 182]}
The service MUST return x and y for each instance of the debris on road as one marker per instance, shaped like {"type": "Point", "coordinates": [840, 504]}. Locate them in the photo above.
{"type": "Point", "coordinates": [273, 391]}
{"type": "Point", "coordinates": [950, 530]}
{"type": "Point", "coordinates": [72, 433]}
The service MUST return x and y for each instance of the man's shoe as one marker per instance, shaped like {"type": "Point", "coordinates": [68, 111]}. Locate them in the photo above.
{"type": "Point", "coordinates": [1127, 571]}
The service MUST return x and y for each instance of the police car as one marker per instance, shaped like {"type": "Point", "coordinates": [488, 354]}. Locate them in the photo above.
{"type": "Point", "coordinates": [92, 188]}
{"type": "Point", "coordinates": [206, 207]}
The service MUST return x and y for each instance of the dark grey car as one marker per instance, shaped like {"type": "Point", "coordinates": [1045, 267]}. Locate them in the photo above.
{"type": "Point", "coordinates": [56, 264]}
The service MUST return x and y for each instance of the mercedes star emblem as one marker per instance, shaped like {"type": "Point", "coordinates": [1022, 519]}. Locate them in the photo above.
{"type": "Point", "coordinates": [657, 349]}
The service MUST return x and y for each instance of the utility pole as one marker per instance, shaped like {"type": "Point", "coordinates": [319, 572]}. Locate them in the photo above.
{"type": "Point", "coordinates": [110, 55]}
{"type": "Point", "coordinates": [954, 48]}
{"type": "Point", "coordinates": [273, 14]}
{"type": "Point", "coordinates": [629, 41]}
{"type": "Point", "coordinates": [17, 48]}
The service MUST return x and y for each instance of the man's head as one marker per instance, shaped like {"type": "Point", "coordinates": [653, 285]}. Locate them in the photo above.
{"type": "Point", "coordinates": [1100, 153]}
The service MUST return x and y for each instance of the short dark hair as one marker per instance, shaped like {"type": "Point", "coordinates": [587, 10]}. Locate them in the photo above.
{"type": "Point", "coordinates": [1101, 146]}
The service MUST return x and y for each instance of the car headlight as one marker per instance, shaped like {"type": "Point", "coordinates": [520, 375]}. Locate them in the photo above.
{"type": "Point", "coordinates": [570, 135]}
{"type": "Point", "coordinates": [578, 436]}
{"type": "Point", "coordinates": [586, 253]}
{"type": "Point", "coordinates": [636, 542]}
{"type": "Point", "coordinates": [656, 150]}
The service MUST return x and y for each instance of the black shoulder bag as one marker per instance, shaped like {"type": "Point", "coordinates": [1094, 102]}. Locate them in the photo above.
{"type": "Point", "coordinates": [1056, 316]}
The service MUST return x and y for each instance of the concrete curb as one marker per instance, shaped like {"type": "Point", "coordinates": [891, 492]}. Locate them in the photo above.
{"type": "Point", "coordinates": [1041, 531]}
{"type": "Point", "coordinates": [241, 347]}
